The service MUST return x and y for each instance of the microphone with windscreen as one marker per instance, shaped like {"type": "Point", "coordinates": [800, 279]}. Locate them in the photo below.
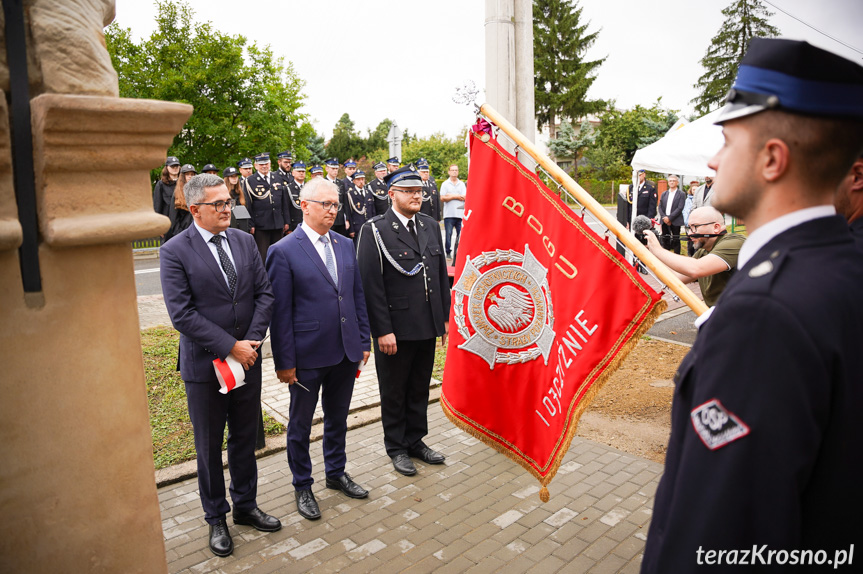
{"type": "Point", "coordinates": [641, 224]}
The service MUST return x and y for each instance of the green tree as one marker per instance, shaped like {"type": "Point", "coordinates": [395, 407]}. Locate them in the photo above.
{"type": "Point", "coordinates": [744, 20]}
{"type": "Point", "coordinates": [246, 100]}
{"type": "Point", "coordinates": [623, 132]}
{"type": "Point", "coordinates": [561, 75]}
{"type": "Point", "coordinates": [317, 151]}
{"type": "Point", "coordinates": [569, 145]}
{"type": "Point", "coordinates": [346, 142]}
{"type": "Point", "coordinates": [378, 138]}
{"type": "Point", "coordinates": [440, 152]}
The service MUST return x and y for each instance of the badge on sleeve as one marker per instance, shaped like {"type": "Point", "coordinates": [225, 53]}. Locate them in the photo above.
{"type": "Point", "coordinates": [716, 425]}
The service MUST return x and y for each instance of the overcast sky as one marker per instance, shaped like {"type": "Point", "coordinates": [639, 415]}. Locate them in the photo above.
{"type": "Point", "coordinates": [419, 52]}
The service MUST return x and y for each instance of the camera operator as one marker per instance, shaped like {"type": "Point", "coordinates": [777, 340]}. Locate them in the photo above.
{"type": "Point", "coordinates": [715, 257]}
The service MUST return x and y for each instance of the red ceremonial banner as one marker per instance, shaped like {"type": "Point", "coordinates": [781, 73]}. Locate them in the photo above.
{"type": "Point", "coordinates": [543, 311]}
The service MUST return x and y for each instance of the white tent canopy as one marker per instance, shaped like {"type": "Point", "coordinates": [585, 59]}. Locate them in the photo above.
{"type": "Point", "coordinates": [684, 151]}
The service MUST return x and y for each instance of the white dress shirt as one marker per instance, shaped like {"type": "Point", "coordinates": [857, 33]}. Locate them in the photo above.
{"type": "Point", "coordinates": [320, 247]}
{"type": "Point", "coordinates": [212, 246]}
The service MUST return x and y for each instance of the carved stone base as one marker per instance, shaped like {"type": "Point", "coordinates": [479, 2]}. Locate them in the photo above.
{"type": "Point", "coordinates": [72, 135]}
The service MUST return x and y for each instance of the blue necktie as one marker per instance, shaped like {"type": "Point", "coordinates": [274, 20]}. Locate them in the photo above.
{"type": "Point", "coordinates": [330, 262]}
{"type": "Point", "coordinates": [227, 266]}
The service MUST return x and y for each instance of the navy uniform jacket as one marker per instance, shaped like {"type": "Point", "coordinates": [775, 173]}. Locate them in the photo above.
{"type": "Point", "coordinates": [340, 215]}
{"type": "Point", "coordinates": [209, 319]}
{"type": "Point", "coordinates": [380, 191]}
{"type": "Point", "coordinates": [361, 206]}
{"type": "Point", "coordinates": [266, 201]}
{"type": "Point", "coordinates": [292, 197]}
{"type": "Point", "coordinates": [675, 214]}
{"type": "Point", "coordinates": [857, 232]}
{"type": "Point", "coordinates": [285, 175]}
{"type": "Point", "coordinates": [163, 197]}
{"type": "Point", "coordinates": [431, 201]}
{"type": "Point", "coordinates": [646, 203]}
{"type": "Point", "coordinates": [316, 323]}
{"type": "Point", "coordinates": [397, 303]}
{"type": "Point", "coordinates": [765, 425]}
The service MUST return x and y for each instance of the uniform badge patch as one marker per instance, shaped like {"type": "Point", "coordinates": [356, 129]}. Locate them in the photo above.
{"type": "Point", "coordinates": [716, 425]}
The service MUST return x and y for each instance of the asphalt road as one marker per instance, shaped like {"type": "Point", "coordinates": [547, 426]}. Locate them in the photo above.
{"type": "Point", "coordinates": [676, 326]}
{"type": "Point", "coordinates": [147, 277]}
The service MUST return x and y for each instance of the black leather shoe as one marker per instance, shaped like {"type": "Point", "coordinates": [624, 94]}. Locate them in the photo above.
{"type": "Point", "coordinates": [403, 464]}
{"type": "Point", "coordinates": [220, 539]}
{"type": "Point", "coordinates": [307, 505]}
{"type": "Point", "coordinates": [427, 455]}
{"type": "Point", "coordinates": [259, 519]}
{"type": "Point", "coordinates": [347, 485]}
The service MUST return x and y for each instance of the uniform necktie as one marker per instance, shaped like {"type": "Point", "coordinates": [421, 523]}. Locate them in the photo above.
{"type": "Point", "coordinates": [413, 230]}
{"type": "Point", "coordinates": [330, 262]}
{"type": "Point", "coordinates": [227, 266]}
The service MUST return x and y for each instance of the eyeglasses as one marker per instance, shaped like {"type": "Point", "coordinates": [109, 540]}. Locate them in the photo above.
{"type": "Point", "coordinates": [327, 205]}
{"type": "Point", "coordinates": [695, 226]}
{"type": "Point", "coordinates": [410, 191]}
{"type": "Point", "coordinates": [220, 206]}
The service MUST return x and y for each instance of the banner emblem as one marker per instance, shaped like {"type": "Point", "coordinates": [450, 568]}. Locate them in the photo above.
{"type": "Point", "coordinates": [508, 307]}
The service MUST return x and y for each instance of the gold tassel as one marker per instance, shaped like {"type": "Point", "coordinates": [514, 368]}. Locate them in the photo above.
{"type": "Point", "coordinates": [455, 417]}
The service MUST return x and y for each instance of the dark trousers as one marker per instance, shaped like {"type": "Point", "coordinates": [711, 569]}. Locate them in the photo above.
{"type": "Point", "coordinates": [264, 238]}
{"type": "Point", "coordinates": [403, 380]}
{"type": "Point", "coordinates": [450, 223]}
{"type": "Point", "coordinates": [671, 237]}
{"type": "Point", "coordinates": [210, 410]}
{"type": "Point", "coordinates": [336, 385]}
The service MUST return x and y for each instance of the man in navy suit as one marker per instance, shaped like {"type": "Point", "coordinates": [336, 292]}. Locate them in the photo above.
{"type": "Point", "coordinates": [219, 299]}
{"type": "Point", "coordinates": [320, 334]}
{"type": "Point", "coordinates": [671, 214]}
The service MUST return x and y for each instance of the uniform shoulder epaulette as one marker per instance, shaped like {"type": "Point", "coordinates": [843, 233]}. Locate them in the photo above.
{"type": "Point", "coordinates": [375, 218]}
{"type": "Point", "coordinates": [426, 215]}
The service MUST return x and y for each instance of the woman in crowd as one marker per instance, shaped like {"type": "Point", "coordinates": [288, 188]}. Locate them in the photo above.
{"type": "Point", "coordinates": [232, 182]}
{"type": "Point", "coordinates": [182, 219]}
{"type": "Point", "coordinates": [163, 191]}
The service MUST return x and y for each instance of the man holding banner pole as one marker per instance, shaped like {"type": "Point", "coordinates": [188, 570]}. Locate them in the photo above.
{"type": "Point", "coordinates": [407, 292]}
{"type": "Point", "coordinates": [763, 463]}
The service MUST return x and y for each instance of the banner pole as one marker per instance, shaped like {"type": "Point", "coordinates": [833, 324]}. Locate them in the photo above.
{"type": "Point", "coordinates": [663, 273]}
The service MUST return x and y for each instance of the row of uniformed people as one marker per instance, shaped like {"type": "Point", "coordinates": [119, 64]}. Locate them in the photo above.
{"type": "Point", "coordinates": [271, 199]}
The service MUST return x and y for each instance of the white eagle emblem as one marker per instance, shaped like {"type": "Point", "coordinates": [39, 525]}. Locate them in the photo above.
{"type": "Point", "coordinates": [518, 325]}
{"type": "Point", "coordinates": [512, 309]}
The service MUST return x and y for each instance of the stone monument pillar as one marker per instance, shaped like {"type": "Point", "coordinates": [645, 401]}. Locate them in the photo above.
{"type": "Point", "coordinates": [509, 63]}
{"type": "Point", "coordinates": [77, 488]}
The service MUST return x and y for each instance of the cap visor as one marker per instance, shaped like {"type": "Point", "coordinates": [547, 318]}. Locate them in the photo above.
{"type": "Point", "coordinates": [736, 111]}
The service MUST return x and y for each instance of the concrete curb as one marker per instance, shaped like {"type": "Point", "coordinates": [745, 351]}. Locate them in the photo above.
{"type": "Point", "coordinates": [356, 418]}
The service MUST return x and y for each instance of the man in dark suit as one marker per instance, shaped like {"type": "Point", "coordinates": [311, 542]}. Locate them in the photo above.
{"type": "Point", "coordinates": [407, 290]}
{"type": "Point", "coordinates": [764, 453]}
{"type": "Point", "coordinates": [219, 299]}
{"type": "Point", "coordinates": [671, 214]}
{"type": "Point", "coordinates": [320, 334]}
{"type": "Point", "coordinates": [265, 197]}
{"type": "Point", "coordinates": [645, 198]}
{"type": "Point", "coordinates": [292, 195]}
{"type": "Point", "coordinates": [361, 203]}
{"type": "Point", "coordinates": [379, 189]}
{"type": "Point", "coordinates": [431, 198]}
{"type": "Point", "coordinates": [342, 223]}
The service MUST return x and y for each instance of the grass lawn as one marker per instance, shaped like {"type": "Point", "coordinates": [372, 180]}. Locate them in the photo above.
{"type": "Point", "coordinates": [173, 441]}
{"type": "Point", "coordinates": [439, 358]}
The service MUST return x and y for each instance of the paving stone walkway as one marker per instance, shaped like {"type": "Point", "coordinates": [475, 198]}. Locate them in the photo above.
{"type": "Point", "coordinates": [480, 512]}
